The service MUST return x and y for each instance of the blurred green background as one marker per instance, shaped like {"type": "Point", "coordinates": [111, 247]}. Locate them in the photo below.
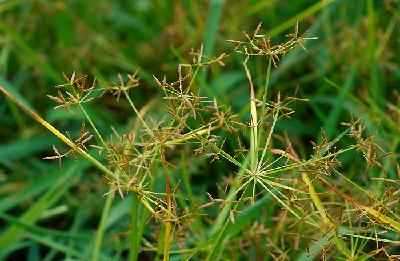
{"type": "Point", "coordinates": [353, 68]}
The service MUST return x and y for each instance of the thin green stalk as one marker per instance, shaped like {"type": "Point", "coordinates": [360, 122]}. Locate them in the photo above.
{"type": "Point", "coordinates": [134, 250]}
{"type": "Point", "coordinates": [143, 219]}
{"type": "Point", "coordinates": [167, 239]}
{"type": "Point", "coordinates": [266, 87]}
{"type": "Point", "coordinates": [304, 163]}
{"type": "Point", "coordinates": [93, 126]}
{"type": "Point", "coordinates": [137, 113]}
{"type": "Point", "coordinates": [186, 180]}
{"type": "Point", "coordinates": [101, 229]}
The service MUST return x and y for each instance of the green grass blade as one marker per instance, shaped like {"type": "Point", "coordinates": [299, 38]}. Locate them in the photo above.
{"type": "Point", "coordinates": [14, 233]}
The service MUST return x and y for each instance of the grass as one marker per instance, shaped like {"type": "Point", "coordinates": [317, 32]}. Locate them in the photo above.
{"type": "Point", "coordinates": [276, 143]}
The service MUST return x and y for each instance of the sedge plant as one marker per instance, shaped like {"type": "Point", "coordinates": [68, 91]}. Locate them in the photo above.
{"type": "Point", "coordinates": [267, 168]}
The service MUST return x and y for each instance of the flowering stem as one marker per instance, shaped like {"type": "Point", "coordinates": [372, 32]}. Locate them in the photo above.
{"type": "Point", "coordinates": [134, 249]}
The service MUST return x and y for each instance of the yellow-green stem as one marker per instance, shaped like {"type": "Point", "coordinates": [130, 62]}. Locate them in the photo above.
{"type": "Point", "coordinates": [253, 121]}
{"type": "Point", "coordinates": [59, 135]}
{"type": "Point", "coordinates": [134, 249]}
